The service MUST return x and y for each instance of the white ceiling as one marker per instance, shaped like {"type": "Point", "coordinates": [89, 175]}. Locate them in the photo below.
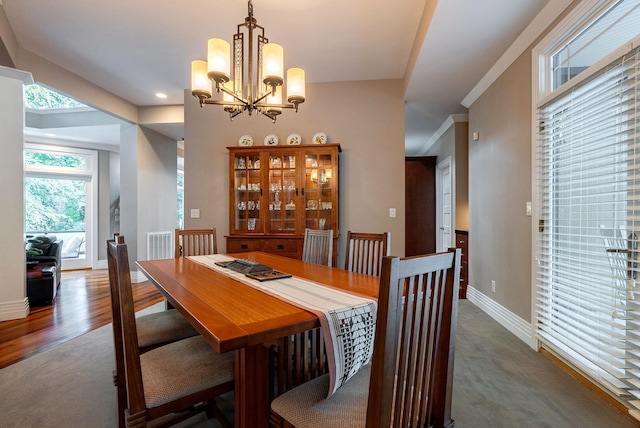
{"type": "Point", "coordinates": [137, 48]}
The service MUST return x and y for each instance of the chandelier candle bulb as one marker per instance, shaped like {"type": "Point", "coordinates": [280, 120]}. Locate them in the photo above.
{"type": "Point", "coordinates": [219, 60]}
{"type": "Point", "coordinates": [200, 83]}
{"type": "Point", "coordinates": [276, 100]}
{"type": "Point", "coordinates": [273, 64]}
{"type": "Point", "coordinates": [295, 85]}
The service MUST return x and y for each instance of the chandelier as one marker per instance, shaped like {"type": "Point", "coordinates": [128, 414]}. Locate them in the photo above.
{"type": "Point", "coordinates": [263, 95]}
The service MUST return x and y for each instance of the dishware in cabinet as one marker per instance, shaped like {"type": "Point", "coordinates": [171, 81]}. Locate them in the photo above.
{"type": "Point", "coordinates": [320, 190]}
{"type": "Point", "coordinates": [246, 194]}
{"type": "Point", "coordinates": [284, 187]}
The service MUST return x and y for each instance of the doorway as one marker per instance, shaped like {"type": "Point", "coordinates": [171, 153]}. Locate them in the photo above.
{"type": "Point", "coordinates": [59, 199]}
{"type": "Point", "coordinates": [444, 212]}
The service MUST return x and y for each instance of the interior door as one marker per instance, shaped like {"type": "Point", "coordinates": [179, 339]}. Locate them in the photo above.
{"type": "Point", "coordinates": [444, 198]}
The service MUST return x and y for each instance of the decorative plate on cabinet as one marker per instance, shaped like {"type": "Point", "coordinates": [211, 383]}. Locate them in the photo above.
{"type": "Point", "coordinates": [294, 139]}
{"type": "Point", "coordinates": [245, 140]}
{"type": "Point", "coordinates": [319, 138]}
{"type": "Point", "coordinates": [271, 140]}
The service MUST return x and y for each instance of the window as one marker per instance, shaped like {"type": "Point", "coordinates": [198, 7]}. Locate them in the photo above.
{"type": "Point", "coordinates": [180, 167]}
{"type": "Point", "coordinates": [618, 25]}
{"type": "Point", "coordinates": [58, 198]}
{"type": "Point", "coordinates": [588, 179]}
{"type": "Point", "coordinates": [40, 98]}
{"type": "Point", "coordinates": [180, 222]}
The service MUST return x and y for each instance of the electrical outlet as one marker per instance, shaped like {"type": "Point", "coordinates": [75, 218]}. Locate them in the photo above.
{"type": "Point", "coordinates": [493, 286]}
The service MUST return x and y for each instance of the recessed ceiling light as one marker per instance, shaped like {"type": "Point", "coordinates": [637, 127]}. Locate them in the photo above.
{"type": "Point", "coordinates": [161, 95]}
{"type": "Point", "coordinates": [49, 134]}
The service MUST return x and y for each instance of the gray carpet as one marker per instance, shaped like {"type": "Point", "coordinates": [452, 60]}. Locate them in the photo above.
{"type": "Point", "coordinates": [499, 382]}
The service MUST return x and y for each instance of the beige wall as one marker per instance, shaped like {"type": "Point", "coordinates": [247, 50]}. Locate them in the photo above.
{"type": "Point", "coordinates": [454, 143]}
{"type": "Point", "coordinates": [499, 187]}
{"type": "Point", "coordinates": [500, 184]}
{"type": "Point", "coordinates": [462, 175]}
{"type": "Point", "coordinates": [148, 187]}
{"type": "Point", "coordinates": [366, 117]}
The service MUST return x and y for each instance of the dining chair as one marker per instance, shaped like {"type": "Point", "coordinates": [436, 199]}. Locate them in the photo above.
{"type": "Point", "coordinates": [409, 381]}
{"type": "Point", "coordinates": [196, 242]}
{"type": "Point", "coordinates": [182, 377]}
{"type": "Point", "coordinates": [365, 251]}
{"type": "Point", "coordinates": [318, 246]}
{"type": "Point", "coordinates": [153, 330]}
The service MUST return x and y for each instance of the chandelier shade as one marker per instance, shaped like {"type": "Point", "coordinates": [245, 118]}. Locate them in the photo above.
{"type": "Point", "coordinates": [242, 89]}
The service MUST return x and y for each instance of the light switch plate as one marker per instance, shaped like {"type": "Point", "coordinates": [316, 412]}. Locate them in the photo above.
{"type": "Point", "coordinates": [529, 208]}
{"type": "Point", "coordinates": [392, 212]}
{"type": "Point", "coordinates": [195, 213]}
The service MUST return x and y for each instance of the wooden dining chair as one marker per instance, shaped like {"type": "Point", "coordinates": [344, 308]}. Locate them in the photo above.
{"type": "Point", "coordinates": [196, 242]}
{"type": "Point", "coordinates": [318, 246]}
{"type": "Point", "coordinates": [409, 381]}
{"type": "Point", "coordinates": [365, 252]}
{"type": "Point", "coordinates": [182, 377]}
{"type": "Point", "coordinates": [153, 330]}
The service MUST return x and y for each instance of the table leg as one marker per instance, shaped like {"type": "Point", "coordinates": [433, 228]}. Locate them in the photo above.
{"type": "Point", "coordinates": [251, 393]}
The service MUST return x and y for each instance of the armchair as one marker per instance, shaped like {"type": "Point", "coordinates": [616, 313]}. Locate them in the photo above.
{"type": "Point", "coordinates": [43, 270]}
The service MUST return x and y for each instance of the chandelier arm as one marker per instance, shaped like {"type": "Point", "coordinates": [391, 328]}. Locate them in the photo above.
{"type": "Point", "coordinates": [273, 117]}
{"type": "Point", "coordinates": [262, 97]}
{"type": "Point", "coordinates": [226, 103]}
{"type": "Point", "coordinates": [264, 105]}
{"type": "Point", "coordinates": [234, 114]}
{"type": "Point", "coordinates": [233, 94]}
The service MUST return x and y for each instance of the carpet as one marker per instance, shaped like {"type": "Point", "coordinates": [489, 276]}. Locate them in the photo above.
{"type": "Point", "coordinates": [498, 382]}
{"type": "Point", "coordinates": [71, 385]}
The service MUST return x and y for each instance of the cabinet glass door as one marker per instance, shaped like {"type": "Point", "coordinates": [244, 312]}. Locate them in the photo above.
{"type": "Point", "coordinates": [247, 192]}
{"type": "Point", "coordinates": [318, 191]}
{"type": "Point", "coordinates": [283, 189]}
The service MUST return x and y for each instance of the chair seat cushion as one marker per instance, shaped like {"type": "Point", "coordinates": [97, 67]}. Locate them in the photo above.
{"type": "Point", "coordinates": [162, 327]}
{"type": "Point", "coordinates": [304, 406]}
{"type": "Point", "coordinates": [183, 368]}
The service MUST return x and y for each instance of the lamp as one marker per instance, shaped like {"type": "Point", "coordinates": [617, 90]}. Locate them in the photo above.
{"type": "Point", "coordinates": [265, 94]}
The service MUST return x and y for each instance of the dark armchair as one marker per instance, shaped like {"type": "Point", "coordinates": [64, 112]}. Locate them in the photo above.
{"type": "Point", "coordinates": [43, 269]}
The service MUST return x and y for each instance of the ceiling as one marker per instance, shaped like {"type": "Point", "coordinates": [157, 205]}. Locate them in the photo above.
{"type": "Point", "coordinates": [137, 48]}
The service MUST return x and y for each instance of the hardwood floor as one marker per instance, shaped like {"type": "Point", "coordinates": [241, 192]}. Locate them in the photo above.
{"type": "Point", "coordinates": [83, 304]}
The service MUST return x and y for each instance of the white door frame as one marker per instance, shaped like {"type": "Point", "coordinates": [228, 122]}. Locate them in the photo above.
{"type": "Point", "coordinates": [444, 231]}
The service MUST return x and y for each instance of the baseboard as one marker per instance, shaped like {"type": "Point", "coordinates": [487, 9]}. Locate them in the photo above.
{"type": "Point", "coordinates": [102, 264]}
{"type": "Point", "coordinates": [506, 318]}
{"type": "Point", "coordinates": [14, 310]}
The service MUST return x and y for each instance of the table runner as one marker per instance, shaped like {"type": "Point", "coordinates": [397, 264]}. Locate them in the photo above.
{"type": "Point", "coordinates": [346, 319]}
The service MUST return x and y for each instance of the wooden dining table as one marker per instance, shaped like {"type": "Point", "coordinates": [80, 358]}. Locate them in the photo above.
{"type": "Point", "coordinates": [233, 316]}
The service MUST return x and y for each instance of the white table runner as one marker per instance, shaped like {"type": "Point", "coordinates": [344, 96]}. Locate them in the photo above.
{"type": "Point", "coordinates": [347, 320]}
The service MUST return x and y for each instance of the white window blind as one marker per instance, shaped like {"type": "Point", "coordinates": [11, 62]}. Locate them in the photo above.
{"type": "Point", "coordinates": [588, 176]}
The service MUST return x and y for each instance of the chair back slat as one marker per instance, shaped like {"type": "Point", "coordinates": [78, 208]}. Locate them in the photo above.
{"type": "Point", "coordinates": [196, 242]}
{"type": "Point", "coordinates": [116, 323]}
{"type": "Point", "coordinates": [412, 364]}
{"type": "Point", "coordinates": [120, 283]}
{"type": "Point", "coordinates": [365, 251]}
{"type": "Point", "coordinates": [318, 246]}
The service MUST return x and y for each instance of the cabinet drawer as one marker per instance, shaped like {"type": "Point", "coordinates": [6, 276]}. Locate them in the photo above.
{"type": "Point", "coordinates": [242, 245]}
{"type": "Point", "coordinates": [285, 247]}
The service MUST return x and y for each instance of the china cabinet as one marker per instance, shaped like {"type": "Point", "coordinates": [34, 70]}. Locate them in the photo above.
{"type": "Point", "coordinates": [275, 192]}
